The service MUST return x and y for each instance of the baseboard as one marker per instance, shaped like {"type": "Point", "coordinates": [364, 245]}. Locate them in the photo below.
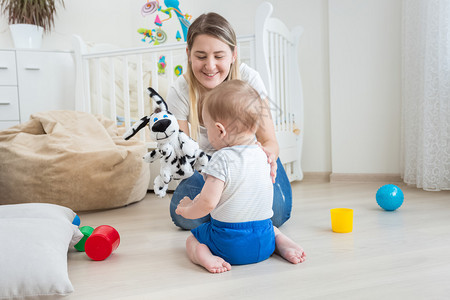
{"type": "Point", "coordinates": [350, 177]}
{"type": "Point", "coordinates": [364, 177]}
{"type": "Point", "coordinates": [316, 177]}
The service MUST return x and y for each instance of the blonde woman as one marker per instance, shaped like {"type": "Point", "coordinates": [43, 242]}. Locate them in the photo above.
{"type": "Point", "coordinates": [212, 59]}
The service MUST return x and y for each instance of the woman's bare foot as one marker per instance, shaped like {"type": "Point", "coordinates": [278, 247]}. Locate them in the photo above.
{"type": "Point", "coordinates": [287, 248]}
{"type": "Point", "coordinates": [201, 255]}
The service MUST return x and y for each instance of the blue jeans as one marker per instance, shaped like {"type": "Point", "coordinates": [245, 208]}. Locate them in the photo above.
{"type": "Point", "coordinates": [191, 187]}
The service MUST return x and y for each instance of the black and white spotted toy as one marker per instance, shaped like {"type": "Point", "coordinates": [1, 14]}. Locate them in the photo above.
{"type": "Point", "coordinates": [179, 154]}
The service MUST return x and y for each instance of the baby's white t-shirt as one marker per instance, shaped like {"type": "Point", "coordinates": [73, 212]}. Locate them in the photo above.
{"type": "Point", "coordinates": [248, 191]}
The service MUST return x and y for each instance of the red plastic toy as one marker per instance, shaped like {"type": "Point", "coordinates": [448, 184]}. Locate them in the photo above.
{"type": "Point", "coordinates": [102, 242]}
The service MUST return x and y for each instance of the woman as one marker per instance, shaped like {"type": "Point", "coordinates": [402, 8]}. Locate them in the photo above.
{"type": "Point", "coordinates": [212, 59]}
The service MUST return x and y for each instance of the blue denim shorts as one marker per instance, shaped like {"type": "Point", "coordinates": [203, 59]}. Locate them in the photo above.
{"type": "Point", "coordinates": [238, 243]}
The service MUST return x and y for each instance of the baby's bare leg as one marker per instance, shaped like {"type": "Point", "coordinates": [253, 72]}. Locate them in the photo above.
{"type": "Point", "coordinates": [201, 255]}
{"type": "Point", "coordinates": [287, 248]}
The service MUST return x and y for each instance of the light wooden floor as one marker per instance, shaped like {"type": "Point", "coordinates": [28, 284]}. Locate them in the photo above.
{"type": "Point", "coordinates": [403, 254]}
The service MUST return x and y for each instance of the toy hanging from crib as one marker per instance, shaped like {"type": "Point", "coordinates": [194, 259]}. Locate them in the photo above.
{"type": "Point", "coordinates": [162, 65]}
{"type": "Point", "coordinates": [178, 70]}
{"type": "Point", "coordinates": [179, 155]}
{"type": "Point", "coordinates": [153, 6]}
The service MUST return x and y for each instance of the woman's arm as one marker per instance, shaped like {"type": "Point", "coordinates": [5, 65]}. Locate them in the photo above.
{"type": "Point", "coordinates": [266, 131]}
{"type": "Point", "coordinates": [204, 203]}
{"type": "Point", "coordinates": [184, 126]}
{"type": "Point", "coordinates": [265, 135]}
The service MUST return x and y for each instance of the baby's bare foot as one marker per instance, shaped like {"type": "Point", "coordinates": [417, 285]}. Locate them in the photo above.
{"type": "Point", "coordinates": [288, 249]}
{"type": "Point", "coordinates": [210, 262]}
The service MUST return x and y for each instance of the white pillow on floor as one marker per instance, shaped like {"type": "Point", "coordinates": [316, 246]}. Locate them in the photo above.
{"type": "Point", "coordinates": [37, 210]}
{"type": "Point", "coordinates": [34, 240]}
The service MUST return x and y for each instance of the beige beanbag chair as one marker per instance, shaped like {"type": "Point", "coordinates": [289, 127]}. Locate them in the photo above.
{"type": "Point", "coordinates": [73, 159]}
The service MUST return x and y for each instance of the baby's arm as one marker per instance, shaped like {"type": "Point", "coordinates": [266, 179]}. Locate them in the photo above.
{"type": "Point", "coordinates": [204, 203]}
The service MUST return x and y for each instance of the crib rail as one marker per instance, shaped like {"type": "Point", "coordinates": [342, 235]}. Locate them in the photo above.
{"type": "Point", "coordinates": [103, 73]}
{"type": "Point", "coordinates": [278, 66]}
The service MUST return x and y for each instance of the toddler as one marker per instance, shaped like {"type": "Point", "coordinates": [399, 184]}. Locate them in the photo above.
{"type": "Point", "coordinates": [238, 190]}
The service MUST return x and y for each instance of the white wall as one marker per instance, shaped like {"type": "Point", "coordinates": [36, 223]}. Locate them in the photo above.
{"type": "Point", "coordinates": [353, 128]}
{"type": "Point", "coordinates": [365, 85]}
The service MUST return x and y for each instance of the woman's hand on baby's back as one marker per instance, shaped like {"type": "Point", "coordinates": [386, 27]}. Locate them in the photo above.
{"type": "Point", "coordinates": [271, 159]}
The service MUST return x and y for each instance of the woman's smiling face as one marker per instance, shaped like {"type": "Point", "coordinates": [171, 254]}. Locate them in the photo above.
{"type": "Point", "coordinates": [211, 60]}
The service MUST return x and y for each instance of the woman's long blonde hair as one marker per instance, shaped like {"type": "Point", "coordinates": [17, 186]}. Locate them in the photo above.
{"type": "Point", "coordinates": [216, 26]}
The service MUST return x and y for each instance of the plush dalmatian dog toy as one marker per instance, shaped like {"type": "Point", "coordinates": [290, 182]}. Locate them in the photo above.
{"type": "Point", "coordinates": [179, 154]}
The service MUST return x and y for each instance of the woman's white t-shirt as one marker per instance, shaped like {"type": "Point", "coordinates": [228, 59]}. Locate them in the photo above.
{"type": "Point", "coordinates": [178, 101]}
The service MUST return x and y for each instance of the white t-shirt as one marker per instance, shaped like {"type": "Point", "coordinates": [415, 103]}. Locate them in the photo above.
{"type": "Point", "coordinates": [178, 101]}
{"type": "Point", "coordinates": [248, 191]}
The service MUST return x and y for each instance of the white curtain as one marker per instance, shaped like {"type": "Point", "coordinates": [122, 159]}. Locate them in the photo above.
{"type": "Point", "coordinates": [426, 94]}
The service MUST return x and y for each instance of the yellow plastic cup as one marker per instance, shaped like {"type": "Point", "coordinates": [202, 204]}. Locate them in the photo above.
{"type": "Point", "coordinates": [342, 220]}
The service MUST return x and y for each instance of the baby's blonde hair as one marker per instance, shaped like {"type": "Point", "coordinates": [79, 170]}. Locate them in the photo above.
{"type": "Point", "coordinates": [218, 27]}
{"type": "Point", "coordinates": [236, 104]}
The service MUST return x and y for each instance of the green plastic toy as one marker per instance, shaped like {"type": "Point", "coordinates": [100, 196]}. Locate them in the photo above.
{"type": "Point", "coordinates": [86, 231]}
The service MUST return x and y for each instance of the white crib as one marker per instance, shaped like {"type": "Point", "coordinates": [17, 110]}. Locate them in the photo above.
{"type": "Point", "coordinates": [112, 81]}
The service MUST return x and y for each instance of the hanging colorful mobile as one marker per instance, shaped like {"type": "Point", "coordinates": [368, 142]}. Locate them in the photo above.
{"type": "Point", "coordinates": [149, 8]}
{"type": "Point", "coordinates": [158, 36]}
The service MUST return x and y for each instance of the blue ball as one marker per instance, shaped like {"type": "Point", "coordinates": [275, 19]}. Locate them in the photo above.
{"type": "Point", "coordinates": [389, 197]}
